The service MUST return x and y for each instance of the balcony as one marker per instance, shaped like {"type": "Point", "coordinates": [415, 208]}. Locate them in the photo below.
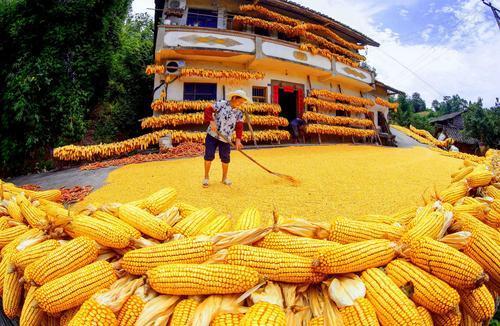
{"type": "Point", "coordinates": [254, 51]}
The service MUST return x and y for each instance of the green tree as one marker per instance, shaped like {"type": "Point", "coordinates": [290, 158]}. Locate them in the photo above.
{"type": "Point", "coordinates": [129, 91]}
{"type": "Point", "coordinates": [449, 104]}
{"type": "Point", "coordinates": [54, 68]}
{"type": "Point", "coordinates": [483, 124]}
{"type": "Point", "coordinates": [418, 103]}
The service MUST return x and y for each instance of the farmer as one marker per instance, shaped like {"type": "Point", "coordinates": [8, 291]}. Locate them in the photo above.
{"type": "Point", "coordinates": [224, 118]}
{"type": "Point", "coordinates": [298, 126]}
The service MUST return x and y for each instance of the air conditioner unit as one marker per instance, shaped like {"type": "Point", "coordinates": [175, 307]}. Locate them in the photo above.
{"type": "Point", "coordinates": [176, 4]}
{"type": "Point", "coordinates": [174, 67]}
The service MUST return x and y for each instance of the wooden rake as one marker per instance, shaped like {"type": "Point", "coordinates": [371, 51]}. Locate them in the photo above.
{"type": "Point", "coordinates": [288, 178]}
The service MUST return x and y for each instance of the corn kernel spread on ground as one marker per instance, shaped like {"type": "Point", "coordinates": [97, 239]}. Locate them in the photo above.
{"type": "Point", "coordinates": [347, 180]}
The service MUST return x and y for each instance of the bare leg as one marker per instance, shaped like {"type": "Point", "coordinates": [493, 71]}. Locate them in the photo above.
{"type": "Point", "coordinates": [224, 170]}
{"type": "Point", "coordinates": [207, 168]}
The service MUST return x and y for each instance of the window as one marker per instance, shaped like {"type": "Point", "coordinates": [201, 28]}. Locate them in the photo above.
{"type": "Point", "coordinates": [261, 31]}
{"type": "Point", "coordinates": [200, 91]}
{"type": "Point", "coordinates": [202, 18]}
{"type": "Point", "coordinates": [259, 94]}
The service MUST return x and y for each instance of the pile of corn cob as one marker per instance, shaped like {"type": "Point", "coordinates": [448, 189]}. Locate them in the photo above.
{"type": "Point", "coordinates": [157, 261]}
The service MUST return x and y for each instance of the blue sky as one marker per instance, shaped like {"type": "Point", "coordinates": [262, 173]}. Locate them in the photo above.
{"type": "Point", "coordinates": [435, 48]}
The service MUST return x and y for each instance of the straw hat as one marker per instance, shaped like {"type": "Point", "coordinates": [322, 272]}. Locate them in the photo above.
{"type": "Point", "coordinates": [239, 93]}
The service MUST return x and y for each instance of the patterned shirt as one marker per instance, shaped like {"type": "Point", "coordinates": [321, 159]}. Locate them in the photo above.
{"type": "Point", "coordinates": [227, 120]}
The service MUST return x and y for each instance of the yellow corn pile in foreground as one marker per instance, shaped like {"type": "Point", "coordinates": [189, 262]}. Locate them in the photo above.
{"type": "Point", "coordinates": [158, 262]}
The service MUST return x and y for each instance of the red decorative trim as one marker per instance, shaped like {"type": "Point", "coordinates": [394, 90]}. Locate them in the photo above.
{"type": "Point", "coordinates": [276, 94]}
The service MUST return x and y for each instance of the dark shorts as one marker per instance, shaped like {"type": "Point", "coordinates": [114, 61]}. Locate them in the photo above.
{"type": "Point", "coordinates": [211, 144]}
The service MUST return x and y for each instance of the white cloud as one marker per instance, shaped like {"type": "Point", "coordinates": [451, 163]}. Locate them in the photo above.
{"type": "Point", "coordinates": [403, 13]}
{"type": "Point", "coordinates": [426, 33]}
{"type": "Point", "coordinates": [143, 6]}
{"type": "Point", "coordinates": [464, 62]}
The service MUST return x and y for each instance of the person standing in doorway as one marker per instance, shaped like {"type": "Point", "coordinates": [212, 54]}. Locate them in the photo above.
{"type": "Point", "coordinates": [224, 118]}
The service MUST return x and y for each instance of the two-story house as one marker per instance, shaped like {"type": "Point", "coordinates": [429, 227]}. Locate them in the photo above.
{"type": "Point", "coordinates": [295, 61]}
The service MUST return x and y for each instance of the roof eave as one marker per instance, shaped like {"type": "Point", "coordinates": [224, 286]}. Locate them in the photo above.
{"type": "Point", "coordinates": [364, 40]}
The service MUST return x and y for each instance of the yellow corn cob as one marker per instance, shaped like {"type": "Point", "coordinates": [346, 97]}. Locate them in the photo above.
{"type": "Point", "coordinates": [117, 223]}
{"type": "Point", "coordinates": [184, 312]}
{"type": "Point", "coordinates": [249, 219]}
{"type": "Point", "coordinates": [31, 314]}
{"type": "Point", "coordinates": [67, 315]}
{"type": "Point", "coordinates": [492, 191]}
{"type": "Point", "coordinates": [7, 235]}
{"type": "Point", "coordinates": [451, 318]}
{"type": "Point", "coordinates": [31, 234]}
{"type": "Point", "coordinates": [93, 313]}
{"type": "Point", "coordinates": [406, 215]}
{"type": "Point", "coordinates": [275, 265]}
{"type": "Point", "coordinates": [63, 260]}
{"type": "Point", "coordinates": [194, 223]}
{"type": "Point", "coordinates": [50, 195]}
{"type": "Point", "coordinates": [425, 316]}
{"type": "Point", "coordinates": [479, 178]}
{"type": "Point", "coordinates": [428, 291]}
{"type": "Point", "coordinates": [160, 201]}
{"type": "Point", "coordinates": [264, 314]}
{"type": "Point", "coordinates": [361, 313]}
{"type": "Point", "coordinates": [144, 222]}
{"type": "Point", "coordinates": [421, 215]}
{"type": "Point", "coordinates": [492, 218]}
{"type": "Point", "coordinates": [373, 218]}
{"type": "Point", "coordinates": [132, 308]}
{"type": "Point", "coordinates": [31, 254]}
{"type": "Point", "coordinates": [469, 201]}
{"type": "Point", "coordinates": [300, 246]}
{"type": "Point", "coordinates": [467, 320]}
{"type": "Point", "coordinates": [193, 279]}
{"type": "Point", "coordinates": [4, 265]}
{"type": "Point", "coordinates": [71, 290]}
{"type": "Point", "coordinates": [104, 233]}
{"type": "Point", "coordinates": [485, 251]}
{"type": "Point", "coordinates": [33, 215]}
{"type": "Point", "coordinates": [220, 224]}
{"type": "Point", "coordinates": [467, 222]}
{"type": "Point", "coordinates": [470, 163]}
{"type": "Point", "coordinates": [189, 250]}
{"type": "Point", "coordinates": [453, 193]}
{"type": "Point", "coordinates": [477, 210]}
{"type": "Point", "coordinates": [462, 173]}
{"type": "Point", "coordinates": [478, 303]}
{"type": "Point", "coordinates": [318, 321]}
{"type": "Point", "coordinates": [12, 291]}
{"type": "Point", "coordinates": [348, 231]}
{"type": "Point", "coordinates": [432, 226]}
{"type": "Point", "coordinates": [4, 223]}
{"type": "Point", "coordinates": [355, 257]}
{"type": "Point", "coordinates": [185, 209]}
{"type": "Point", "coordinates": [227, 319]}
{"type": "Point", "coordinates": [14, 211]}
{"type": "Point", "coordinates": [390, 303]}
{"type": "Point", "coordinates": [130, 311]}
{"type": "Point", "coordinates": [447, 263]}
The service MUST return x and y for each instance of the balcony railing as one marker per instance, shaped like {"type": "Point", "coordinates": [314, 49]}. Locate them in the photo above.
{"type": "Point", "coordinates": [189, 40]}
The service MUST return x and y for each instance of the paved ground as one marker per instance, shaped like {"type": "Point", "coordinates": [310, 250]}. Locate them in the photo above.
{"type": "Point", "coordinates": [97, 178]}
{"type": "Point", "coordinates": [404, 140]}
{"type": "Point", "coordinates": [66, 178]}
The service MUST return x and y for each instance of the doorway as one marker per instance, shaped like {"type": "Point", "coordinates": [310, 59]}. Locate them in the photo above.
{"type": "Point", "coordinates": [288, 103]}
{"type": "Point", "coordinates": [290, 96]}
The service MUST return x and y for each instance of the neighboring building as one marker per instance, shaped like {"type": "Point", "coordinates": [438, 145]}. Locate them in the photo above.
{"type": "Point", "coordinates": [209, 35]}
{"type": "Point", "coordinates": [452, 125]}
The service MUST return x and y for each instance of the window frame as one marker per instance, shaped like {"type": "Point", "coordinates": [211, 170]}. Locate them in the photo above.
{"type": "Point", "coordinates": [196, 95]}
{"type": "Point", "coordinates": [255, 98]}
{"type": "Point", "coordinates": [202, 12]}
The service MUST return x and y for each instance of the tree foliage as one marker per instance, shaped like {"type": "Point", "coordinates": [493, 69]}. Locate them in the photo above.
{"type": "Point", "coordinates": [64, 63]}
{"type": "Point", "coordinates": [449, 104]}
{"type": "Point", "coordinates": [406, 114]}
{"type": "Point", "coordinates": [483, 124]}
